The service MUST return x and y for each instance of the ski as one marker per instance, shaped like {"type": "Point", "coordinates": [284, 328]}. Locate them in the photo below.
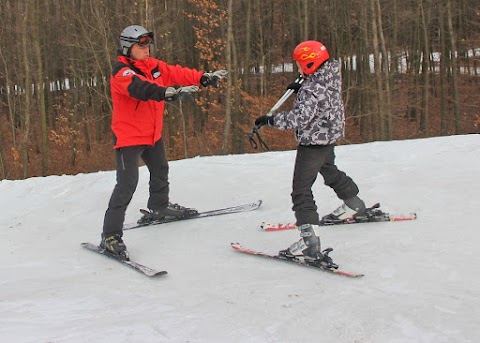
{"type": "Point", "coordinates": [234, 209]}
{"type": "Point", "coordinates": [373, 215]}
{"type": "Point", "coordinates": [240, 248]}
{"type": "Point", "coordinates": [129, 263]}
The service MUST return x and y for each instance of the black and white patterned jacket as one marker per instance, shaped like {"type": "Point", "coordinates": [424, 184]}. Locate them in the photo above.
{"type": "Point", "coordinates": [318, 114]}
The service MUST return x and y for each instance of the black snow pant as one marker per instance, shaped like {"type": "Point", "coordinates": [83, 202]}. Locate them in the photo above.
{"type": "Point", "coordinates": [311, 160]}
{"type": "Point", "coordinates": [127, 159]}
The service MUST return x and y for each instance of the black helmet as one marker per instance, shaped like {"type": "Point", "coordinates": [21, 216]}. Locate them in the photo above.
{"type": "Point", "coordinates": [134, 34]}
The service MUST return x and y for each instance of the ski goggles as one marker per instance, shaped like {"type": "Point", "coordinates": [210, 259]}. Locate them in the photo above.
{"type": "Point", "coordinates": [145, 39]}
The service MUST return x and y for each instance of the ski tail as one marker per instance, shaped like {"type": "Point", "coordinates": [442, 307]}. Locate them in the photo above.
{"type": "Point", "coordinates": [127, 262]}
{"type": "Point", "coordinates": [372, 215]}
{"type": "Point", "coordinates": [238, 247]}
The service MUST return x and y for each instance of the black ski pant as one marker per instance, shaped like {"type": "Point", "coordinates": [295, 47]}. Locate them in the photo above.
{"type": "Point", "coordinates": [127, 159]}
{"type": "Point", "coordinates": [311, 160]}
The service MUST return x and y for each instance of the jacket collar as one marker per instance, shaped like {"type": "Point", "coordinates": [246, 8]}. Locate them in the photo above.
{"type": "Point", "coordinates": [143, 66]}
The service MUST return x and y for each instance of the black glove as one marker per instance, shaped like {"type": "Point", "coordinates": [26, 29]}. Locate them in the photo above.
{"type": "Point", "coordinates": [182, 93]}
{"type": "Point", "coordinates": [295, 86]}
{"type": "Point", "coordinates": [264, 120]}
{"type": "Point", "coordinates": [212, 79]}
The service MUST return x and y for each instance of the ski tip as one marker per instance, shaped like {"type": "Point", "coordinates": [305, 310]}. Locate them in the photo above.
{"type": "Point", "coordinates": [160, 273]}
{"type": "Point", "coordinates": [238, 247]}
{"type": "Point", "coordinates": [411, 216]}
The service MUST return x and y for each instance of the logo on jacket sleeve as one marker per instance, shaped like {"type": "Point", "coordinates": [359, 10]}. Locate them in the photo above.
{"type": "Point", "coordinates": [128, 72]}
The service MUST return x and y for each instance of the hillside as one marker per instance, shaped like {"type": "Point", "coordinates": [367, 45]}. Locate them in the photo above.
{"type": "Point", "coordinates": [420, 282]}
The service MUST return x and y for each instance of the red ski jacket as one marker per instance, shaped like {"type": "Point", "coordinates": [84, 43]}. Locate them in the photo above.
{"type": "Point", "coordinates": [138, 93]}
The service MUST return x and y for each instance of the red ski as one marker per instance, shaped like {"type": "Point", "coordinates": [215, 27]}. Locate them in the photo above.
{"type": "Point", "coordinates": [373, 215]}
{"type": "Point", "coordinates": [240, 248]}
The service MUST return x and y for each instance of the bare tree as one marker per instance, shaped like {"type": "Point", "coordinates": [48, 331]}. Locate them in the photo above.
{"type": "Point", "coordinates": [28, 89]}
{"type": "Point", "coordinates": [229, 57]}
{"type": "Point", "coordinates": [443, 67]}
{"type": "Point", "coordinates": [378, 73]}
{"type": "Point", "coordinates": [425, 66]}
{"type": "Point", "coordinates": [40, 87]}
{"type": "Point", "coordinates": [453, 60]}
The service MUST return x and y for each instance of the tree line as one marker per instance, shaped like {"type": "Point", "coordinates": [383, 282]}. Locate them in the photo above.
{"type": "Point", "coordinates": [409, 68]}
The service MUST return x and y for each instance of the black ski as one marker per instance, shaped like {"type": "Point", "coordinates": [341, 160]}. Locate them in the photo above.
{"type": "Point", "coordinates": [240, 248]}
{"type": "Point", "coordinates": [129, 263]}
{"type": "Point", "coordinates": [234, 209]}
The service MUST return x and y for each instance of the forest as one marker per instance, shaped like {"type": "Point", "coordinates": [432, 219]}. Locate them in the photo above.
{"type": "Point", "coordinates": [410, 69]}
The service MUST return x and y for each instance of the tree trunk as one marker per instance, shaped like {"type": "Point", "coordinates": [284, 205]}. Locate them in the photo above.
{"type": "Point", "coordinates": [385, 59]}
{"type": "Point", "coordinates": [306, 9]}
{"type": "Point", "coordinates": [453, 60]}
{"type": "Point", "coordinates": [28, 91]}
{"type": "Point", "coordinates": [425, 70]}
{"type": "Point", "coordinates": [248, 49]}
{"type": "Point", "coordinates": [378, 72]}
{"type": "Point", "coordinates": [40, 88]}
{"type": "Point", "coordinates": [228, 110]}
{"type": "Point", "coordinates": [443, 70]}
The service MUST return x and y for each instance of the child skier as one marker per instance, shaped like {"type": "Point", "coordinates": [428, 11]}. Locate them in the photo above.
{"type": "Point", "coordinates": [319, 121]}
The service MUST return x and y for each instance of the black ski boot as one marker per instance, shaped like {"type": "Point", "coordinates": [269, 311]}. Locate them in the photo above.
{"type": "Point", "coordinates": [114, 245]}
{"type": "Point", "coordinates": [171, 211]}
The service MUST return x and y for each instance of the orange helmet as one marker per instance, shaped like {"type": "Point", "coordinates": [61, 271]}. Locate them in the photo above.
{"type": "Point", "coordinates": [310, 55]}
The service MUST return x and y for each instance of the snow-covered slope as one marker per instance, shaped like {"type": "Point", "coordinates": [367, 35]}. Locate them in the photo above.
{"type": "Point", "coordinates": [421, 284]}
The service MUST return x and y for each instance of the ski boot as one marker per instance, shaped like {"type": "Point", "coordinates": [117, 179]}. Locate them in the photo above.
{"type": "Point", "coordinates": [114, 245]}
{"type": "Point", "coordinates": [171, 211]}
{"type": "Point", "coordinates": [308, 245]}
{"type": "Point", "coordinates": [372, 214]}
{"type": "Point", "coordinates": [349, 210]}
{"type": "Point", "coordinates": [322, 260]}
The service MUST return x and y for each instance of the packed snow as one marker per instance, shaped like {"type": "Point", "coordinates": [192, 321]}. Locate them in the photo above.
{"type": "Point", "coordinates": [421, 283]}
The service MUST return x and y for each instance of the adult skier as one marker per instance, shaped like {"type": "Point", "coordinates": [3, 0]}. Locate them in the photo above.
{"type": "Point", "coordinates": [139, 86]}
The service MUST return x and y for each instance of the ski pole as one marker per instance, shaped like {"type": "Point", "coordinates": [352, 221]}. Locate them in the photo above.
{"type": "Point", "coordinates": [299, 80]}
{"type": "Point", "coordinates": [286, 95]}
